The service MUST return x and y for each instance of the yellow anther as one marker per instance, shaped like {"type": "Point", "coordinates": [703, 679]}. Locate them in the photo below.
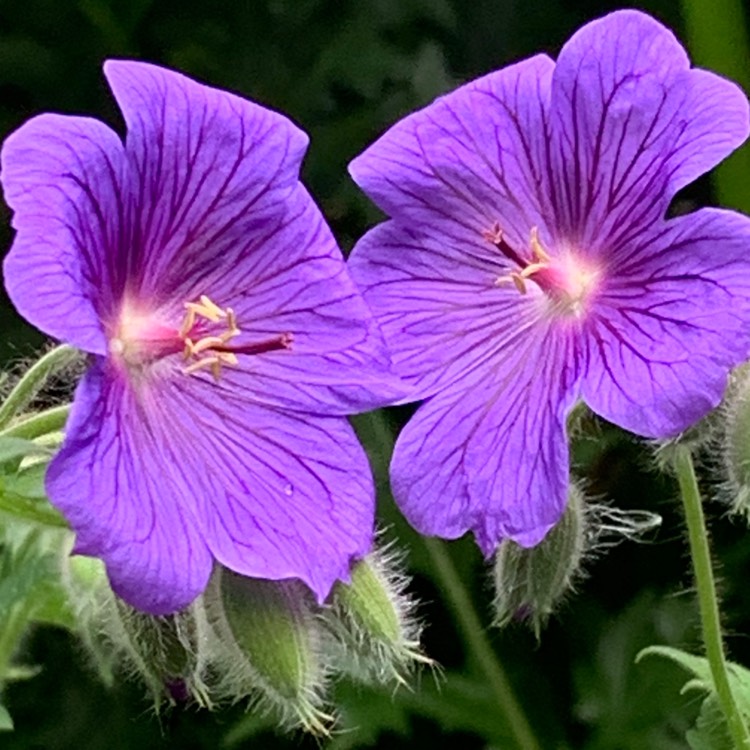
{"type": "Point", "coordinates": [207, 342]}
{"type": "Point", "coordinates": [188, 322]}
{"type": "Point", "coordinates": [531, 269]}
{"type": "Point", "coordinates": [204, 350]}
{"type": "Point", "coordinates": [517, 279]}
{"type": "Point", "coordinates": [232, 321]}
{"type": "Point", "coordinates": [537, 249]}
{"type": "Point", "coordinates": [210, 310]}
{"type": "Point", "coordinates": [214, 361]}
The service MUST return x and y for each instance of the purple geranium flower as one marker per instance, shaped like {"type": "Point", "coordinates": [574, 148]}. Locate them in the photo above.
{"type": "Point", "coordinates": [528, 264]}
{"type": "Point", "coordinates": [227, 340]}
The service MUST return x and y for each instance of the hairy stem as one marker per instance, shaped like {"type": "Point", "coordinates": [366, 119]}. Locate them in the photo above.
{"type": "Point", "coordinates": [33, 381]}
{"type": "Point", "coordinates": [479, 645]}
{"type": "Point", "coordinates": [43, 423]}
{"type": "Point", "coordinates": [707, 598]}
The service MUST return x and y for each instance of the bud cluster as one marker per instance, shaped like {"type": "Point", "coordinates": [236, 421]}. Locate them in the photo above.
{"type": "Point", "coordinates": [267, 642]}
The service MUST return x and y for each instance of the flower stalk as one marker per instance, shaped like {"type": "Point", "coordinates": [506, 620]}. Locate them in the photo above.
{"type": "Point", "coordinates": [481, 650]}
{"type": "Point", "coordinates": [33, 381]}
{"type": "Point", "coordinates": [707, 597]}
{"type": "Point", "coordinates": [43, 423]}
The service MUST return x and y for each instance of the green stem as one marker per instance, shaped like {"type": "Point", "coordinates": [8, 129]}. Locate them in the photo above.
{"type": "Point", "coordinates": [480, 647]}
{"type": "Point", "coordinates": [707, 599]}
{"type": "Point", "coordinates": [43, 423]}
{"type": "Point", "coordinates": [33, 380]}
{"type": "Point", "coordinates": [14, 623]}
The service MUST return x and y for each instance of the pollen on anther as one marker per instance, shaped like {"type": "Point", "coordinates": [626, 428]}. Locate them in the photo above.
{"type": "Point", "coordinates": [208, 350]}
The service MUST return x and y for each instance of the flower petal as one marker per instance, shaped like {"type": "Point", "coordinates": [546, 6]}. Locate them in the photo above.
{"type": "Point", "coordinates": [632, 124]}
{"type": "Point", "coordinates": [671, 323]}
{"type": "Point", "coordinates": [468, 160]}
{"type": "Point", "coordinates": [128, 500]}
{"type": "Point", "coordinates": [282, 495]}
{"type": "Point", "coordinates": [495, 459]}
{"type": "Point", "coordinates": [442, 313]}
{"type": "Point", "coordinates": [293, 280]}
{"type": "Point", "coordinates": [62, 178]}
{"type": "Point", "coordinates": [209, 168]}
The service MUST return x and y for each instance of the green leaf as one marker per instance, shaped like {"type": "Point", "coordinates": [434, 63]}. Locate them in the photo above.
{"type": "Point", "coordinates": [6, 722]}
{"type": "Point", "coordinates": [696, 665]}
{"type": "Point", "coordinates": [13, 448]}
{"type": "Point", "coordinates": [32, 579]}
{"type": "Point", "coordinates": [623, 706]}
{"type": "Point", "coordinates": [29, 509]}
{"type": "Point", "coordinates": [22, 494]}
{"type": "Point", "coordinates": [18, 583]}
{"type": "Point", "coordinates": [51, 606]}
{"type": "Point", "coordinates": [710, 731]}
{"type": "Point", "coordinates": [30, 482]}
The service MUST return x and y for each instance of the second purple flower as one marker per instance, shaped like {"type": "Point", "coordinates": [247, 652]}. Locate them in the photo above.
{"type": "Point", "coordinates": [528, 263]}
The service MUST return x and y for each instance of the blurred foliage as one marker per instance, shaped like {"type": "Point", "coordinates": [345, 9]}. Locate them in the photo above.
{"type": "Point", "coordinates": [344, 70]}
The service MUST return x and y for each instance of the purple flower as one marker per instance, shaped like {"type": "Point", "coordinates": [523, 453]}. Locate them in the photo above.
{"type": "Point", "coordinates": [528, 264]}
{"type": "Point", "coordinates": [227, 340]}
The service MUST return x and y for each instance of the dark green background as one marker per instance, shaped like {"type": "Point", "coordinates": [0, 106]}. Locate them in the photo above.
{"type": "Point", "coordinates": [344, 70]}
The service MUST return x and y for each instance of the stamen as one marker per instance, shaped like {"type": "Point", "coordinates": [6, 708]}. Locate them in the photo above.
{"type": "Point", "coordinates": [526, 268]}
{"type": "Point", "coordinates": [537, 248]}
{"type": "Point", "coordinates": [213, 350]}
{"type": "Point", "coordinates": [568, 281]}
{"type": "Point", "coordinates": [214, 361]}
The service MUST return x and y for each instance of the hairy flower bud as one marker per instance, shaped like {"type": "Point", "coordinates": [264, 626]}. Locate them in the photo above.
{"type": "Point", "coordinates": [376, 635]}
{"type": "Point", "coordinates": [164, 649]}
{"type": "Point", "coordinates": [162, 652]}
{"type": "Point", "coordinates": [268, 646]}
{"type": "Point", "coordinates": [734, 441]}
{"type": "Point", "coordinates": [530, 582]}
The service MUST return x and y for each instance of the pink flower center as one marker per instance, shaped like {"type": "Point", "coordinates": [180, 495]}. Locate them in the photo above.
{"type": "Point", "coordinates": [203, 338]}
{"type": "Point", "coordinates": [567, 281]}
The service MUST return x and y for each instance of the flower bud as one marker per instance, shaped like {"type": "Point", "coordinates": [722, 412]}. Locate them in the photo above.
{"type": "Point", "coordinates": [735, 443]}
{"type": "Point", "coordinates": [164, 652]}
{"type": "Point", "coordinates": [269, 643]}
{"type": "Point", "coordinates": [529, 583]}
{"type": "Point", "coordinates": [376, 635]}
{"type": "Point", "coordinates": [160, 651]}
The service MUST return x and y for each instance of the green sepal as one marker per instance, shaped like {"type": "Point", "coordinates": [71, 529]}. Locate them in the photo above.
{"type": "Point", "coordinates": [376, 635]}
{"type": "Point", "coordinates": [272, 636]}
{"type": "Point", "coordinates": [531, 582]}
